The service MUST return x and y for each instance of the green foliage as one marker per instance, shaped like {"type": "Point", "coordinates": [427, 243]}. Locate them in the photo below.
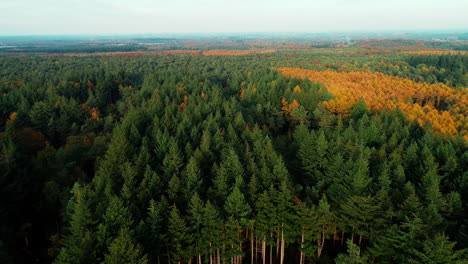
{"type": "Point", "coordinates": [353, 256]}
{"type": "Point", "coordinates": [180, 237]}
{"type": "Point", "coordinates": [102, 159]}
{"type": "Point", "coordinates": [123, 250]}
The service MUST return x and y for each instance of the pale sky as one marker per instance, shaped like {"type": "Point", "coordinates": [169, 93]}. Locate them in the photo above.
{"type": "Point", "coordinates": [24, 17]}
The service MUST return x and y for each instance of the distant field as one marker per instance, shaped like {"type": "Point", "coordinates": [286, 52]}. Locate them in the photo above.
{"type": "Point", "coordinates": [435, 52]}
{"type": "Point", "coordinates": [218, 52]}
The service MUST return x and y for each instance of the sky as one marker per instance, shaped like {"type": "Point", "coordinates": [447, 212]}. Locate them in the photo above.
{"type": "Point", "coordinates": [57, 17]}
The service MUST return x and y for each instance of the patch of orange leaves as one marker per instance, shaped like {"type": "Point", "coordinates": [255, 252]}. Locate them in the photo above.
{"type": "Point", "coordinates": [221, 52]}
{"type": "Point", "coordinates": [288, 108]}
{"type": "Point", "coordinates": [422, 102]}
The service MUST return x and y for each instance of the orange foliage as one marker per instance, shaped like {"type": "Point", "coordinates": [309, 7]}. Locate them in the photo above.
{"type": "Point", "coordinates": [75, 84]}
{"type": "Point", "coordinates": [221, 52]}
{"type": "Point", "coordinates": [202, 95]}
{"type": "Point", "coordinates": [371, 52]}
{"type": "Point", "coordinates": [419, 101]}
{"type": "Point", "coordinates": [12, 117]}
{"type": "Point", "coordinates": [180, 87]}
{"type": "Point", "coordinates": [288, 108]}
{"type": "Point", "coordinates": [242, 92]}
{"type": "Point", "coordinates": [19, 84]}
{"type": "Point", "coordinates": [93, 113]}
{"type": "Point", "coordinates": [184, 103]}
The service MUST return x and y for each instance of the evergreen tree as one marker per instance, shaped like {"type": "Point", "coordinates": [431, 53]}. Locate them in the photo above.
{"type": "Point", "coordinates": [80, 243]}
{"type": "Point", "coordinates": [353, 256]}
{"type": "Point", "coordinates": [180, 238]}
{"type": "Point", "coordinates": [236, 205]}
{"type": "Point", "coordinates": [124, 250]}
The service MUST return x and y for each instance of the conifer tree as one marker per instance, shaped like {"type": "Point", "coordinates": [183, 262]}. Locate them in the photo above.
{"type": "Point", "coordinates": [179, 238]}
{"type": "Point", "coordinates": [80, 243]}
{"type": "Point", "coordinates": [353, 256]}
{"type": "Point", "coordinates": [124, 250]}
{"type": "Point", "coordinates": [210, 234]}
{"type": "Point", "coordinates": [196, 207]}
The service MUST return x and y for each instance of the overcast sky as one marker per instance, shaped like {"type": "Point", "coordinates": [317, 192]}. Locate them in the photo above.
{"type": "Point", "coordinates": [20, 17]}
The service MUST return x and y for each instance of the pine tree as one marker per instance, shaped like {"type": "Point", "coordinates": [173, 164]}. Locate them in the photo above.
{"type": "Point", "coordinates": [210, 235]}
{"type": "Point", "coordinates": [124, 250]}
{"type": "Point", "coordinates": [193, 181]}
{"type": "Point", "coordinates": [359, 214]}
{"type": "Point", "coordinates": [180, 238]}
{"type": "Point", "coordinates": [232, 241]}
{"type": "Point", "coordinates": [265, 221]}
{"type": "Point", "coordinates": [236, 205]}
{"type": "Point", "coordinates": [324, 223]}
{"type": "Point", "coordinates": [353, 256]}
{"type": "Point", "coordinates": [196, 207]}
{"type": "Point", "coordinates": [80, 243]}
{"type": "Point", "coordinates": [172, 161]}
{"type": "Point", "coordinates": [307, 223]}
{"type": "Point", "coordinates": [439, 250]}
{"type": "Point", "coordinates": [360, 109]}
{"type": "Point", "coordinates": [174, 190]}
{"type": "Point", "coordinates": [116, 217]}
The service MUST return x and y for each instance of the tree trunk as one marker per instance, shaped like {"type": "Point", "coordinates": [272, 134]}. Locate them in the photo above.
{"type": "Point", "coordinates": [282, 244]}
{"type": "Point", "coordinates": [271, 254]}
{"type": "Point", "coordinates": [264, 250]}
{"type": "Point", "coordinates": [240, 254]}
{"type": "Point", "coordinates": [321, 242]}
{"type": "Point", "coordinates": [211, 255]}
{"type": "Point", "coordinates": [256, 249]}
{"type": "Point", "coordinates": [251, 248]}
{"type": "Point", "coordinates": [278, 242]}
{"type": "Point", "coordinates": [342, 237]}
{"type": "Point", "coordinates": [302, 247]}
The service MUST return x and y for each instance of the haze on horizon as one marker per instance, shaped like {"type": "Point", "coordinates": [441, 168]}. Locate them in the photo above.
{"type": "Point", "coordinates": [32, 17]}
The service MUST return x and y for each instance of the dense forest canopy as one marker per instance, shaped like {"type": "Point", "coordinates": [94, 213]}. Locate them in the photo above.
{"type": "Point", "coordinates": [226, 157]}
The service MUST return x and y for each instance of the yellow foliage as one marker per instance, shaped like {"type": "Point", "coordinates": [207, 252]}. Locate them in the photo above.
{"type": "Point", "coordinates": [12, 117]}
{"type": "Point", "coordinates": [288, 108]}
{"type": "Point", "coordinates": [419, 101]}
{"type": "Point", "coordinates": [94, 114]}
{"type": "Point", "coordinates": [297, 89]}
{"type": "Point", "coordinates": [184, 103]}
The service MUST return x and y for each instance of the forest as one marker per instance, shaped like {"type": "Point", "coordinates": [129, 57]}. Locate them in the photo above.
{"type": "Point", "coordinates": [279, 154]}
